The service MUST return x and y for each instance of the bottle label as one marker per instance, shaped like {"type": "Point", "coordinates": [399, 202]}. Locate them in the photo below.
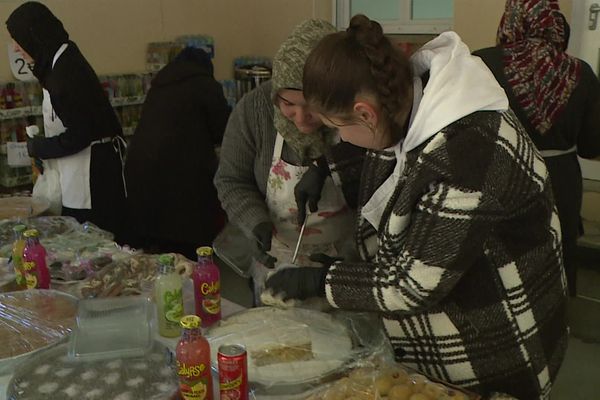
{"type": "Point", "coordinates": [212, 304]}
{"type": "Point", "coordinates": [173, 301]}
{"type": "Point", "coordinates": [211, 297]}
{"type": "Point", "coordinates": [30, 270]}
{"type": "Point", "coordinates": [193, 381]}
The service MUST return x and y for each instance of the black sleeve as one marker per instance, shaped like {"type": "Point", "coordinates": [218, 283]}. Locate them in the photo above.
{"type": "Point", "coordinates": [588, 141]}
{"type": "Point", "coordinates": [79, 102]}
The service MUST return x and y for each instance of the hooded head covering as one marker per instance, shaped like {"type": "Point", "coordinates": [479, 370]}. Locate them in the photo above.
{"type": "Point", "coordinates": [288, 65]}
{"type": "Point", "coordinates": [534, 36]}
{"type": "Point", "coordinates": [33, 26]}
{"type": "Point", "coordinates": [195, 55]}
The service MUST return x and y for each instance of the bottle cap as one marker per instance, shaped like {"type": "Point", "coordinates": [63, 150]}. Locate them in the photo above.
{"type": "Point", "coordinates": [204, 251]}
{"type": "Point", "coordinates": [30, 233]}
{"type": "Point", "coordinates": [19, 228]}
{"type": "Point", "coordinates": [166, 259]}
{"type": "Point", "coordinates": [190, 322]}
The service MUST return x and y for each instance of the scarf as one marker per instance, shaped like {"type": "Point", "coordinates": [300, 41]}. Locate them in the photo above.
{"type": "Point", "coordinates": [534, 35]}
{"type": "Point", "coordinates": [288, 65]}
{"type": "Point", "coordinates": [33, 26]}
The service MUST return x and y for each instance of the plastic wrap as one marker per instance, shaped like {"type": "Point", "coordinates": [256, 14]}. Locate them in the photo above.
{"type": "Point", "coordinates": [21, 207]}
{"type": "Point", "coordinates": [52, 376]}
{"type": "Point", "coordinates": [381, 379]}
{"type": "Point", "coordinates": [295, 350]}
{"type": "Point", "coordinates": [32, 320]}
{"type": "Point", "coordinates": [47, 227]}
{"type": "Point", "coordinates": [126, 276]}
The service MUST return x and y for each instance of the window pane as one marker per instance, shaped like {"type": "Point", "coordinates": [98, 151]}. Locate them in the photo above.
{"type": "Point", "coordinates": [379, 10]}
{"type": "Point", "coordinates": [432, 9]}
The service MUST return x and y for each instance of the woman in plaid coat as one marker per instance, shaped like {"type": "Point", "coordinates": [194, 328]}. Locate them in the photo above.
{"type": "Point", "coordinates": [458, 233]}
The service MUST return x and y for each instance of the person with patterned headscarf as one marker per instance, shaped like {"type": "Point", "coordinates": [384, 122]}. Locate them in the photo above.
{"type": "Point", "coordinates": [277, 158]}
{"type": "Point", "coordinates": [83, 138]}
{"type": "Point", "coordinates": [557, 99]}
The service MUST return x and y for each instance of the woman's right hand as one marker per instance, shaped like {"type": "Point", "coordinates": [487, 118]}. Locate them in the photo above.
{"type": "Point", "coordinates": [263, 233]}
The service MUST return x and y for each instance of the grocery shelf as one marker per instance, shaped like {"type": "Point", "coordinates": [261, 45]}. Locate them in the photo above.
{"type": "Point", "coordinates": [22, 112]}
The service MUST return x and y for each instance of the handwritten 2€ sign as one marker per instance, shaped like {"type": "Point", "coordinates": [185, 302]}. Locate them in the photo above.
{"type": "Point", "coordinates": [19, 67]}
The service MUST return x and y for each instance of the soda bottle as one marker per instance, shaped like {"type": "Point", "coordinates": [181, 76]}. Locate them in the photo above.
{"type": "Point", "coordinates": [169, 298]}
{"type": "Point", "coordinates": [207, 287]}
{"type": "Point", "coordinates": [36, 270]}
{"type": "Point", "coordinates": [193, 361]}
{"type": "Point", "coordinates": [17, 255]}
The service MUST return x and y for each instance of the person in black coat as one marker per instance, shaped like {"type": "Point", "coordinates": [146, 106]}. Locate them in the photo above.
{"type": "Point", "coordinates": [82, 132]}
{"type": "Point", "coordinates": [557, 99]}
{"type": "Point", "coordinates": [172, 161]}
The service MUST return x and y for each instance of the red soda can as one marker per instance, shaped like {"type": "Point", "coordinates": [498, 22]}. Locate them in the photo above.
{"type": "Point", "coordinates": [233, 372]}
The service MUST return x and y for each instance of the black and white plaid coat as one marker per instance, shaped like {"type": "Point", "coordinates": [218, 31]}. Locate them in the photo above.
{"type": "Point", "coordinates": [465, 265]}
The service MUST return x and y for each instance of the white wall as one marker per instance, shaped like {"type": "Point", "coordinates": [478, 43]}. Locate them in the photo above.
{"type": "Point", "coordinates": [113, 34]}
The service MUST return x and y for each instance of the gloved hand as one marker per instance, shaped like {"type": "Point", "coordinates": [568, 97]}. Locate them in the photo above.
{"type": "Point", "coordinates": [298, 283]}
{"type": "Point", "coordinates": [324, 259]}
{"type": "Point", "coordinates": [309, 189]}
{"type": "Point", "coordinates": [263, 233]}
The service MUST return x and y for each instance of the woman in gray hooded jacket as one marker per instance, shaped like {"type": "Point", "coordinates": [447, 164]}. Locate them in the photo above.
{"type": "Point", "coordinates": [277, 157]}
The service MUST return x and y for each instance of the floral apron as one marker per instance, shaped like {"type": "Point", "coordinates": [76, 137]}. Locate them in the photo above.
{"type": "Point", "coordinates": [324, 228]}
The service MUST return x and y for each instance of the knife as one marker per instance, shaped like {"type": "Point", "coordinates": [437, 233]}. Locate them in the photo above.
{"type": "Point", "coordinates": [299, 239]}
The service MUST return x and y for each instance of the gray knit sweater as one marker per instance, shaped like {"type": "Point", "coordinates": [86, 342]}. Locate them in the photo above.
{"type": "Point", "coordinates": [246, 155]}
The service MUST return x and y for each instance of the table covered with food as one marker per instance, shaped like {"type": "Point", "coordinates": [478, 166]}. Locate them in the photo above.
{"type": "Point", "coordinates": [112, 324]}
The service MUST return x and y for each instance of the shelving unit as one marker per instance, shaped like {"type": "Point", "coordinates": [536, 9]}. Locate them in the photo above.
{"type": "Point", "coordinates": [21, 176]}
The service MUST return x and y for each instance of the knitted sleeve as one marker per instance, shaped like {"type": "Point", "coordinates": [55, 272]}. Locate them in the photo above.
{"type": "Point", "coordinates": [465, 185]}
{"type": "Point", "coordinates": [235, 179]}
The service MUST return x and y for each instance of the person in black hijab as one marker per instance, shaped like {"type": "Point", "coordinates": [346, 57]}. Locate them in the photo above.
{"type": "Point", "coordinates": [171, 161]}
{"type": "Point", "coordinates": [83, 137]}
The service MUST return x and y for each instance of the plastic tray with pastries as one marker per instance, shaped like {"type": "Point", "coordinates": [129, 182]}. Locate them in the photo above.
{"type": "Point", "coordinates": [292, 351]}
{"type": "Point", "coordinates": [33, 320]}
{"type": "Point", "coordinates": [48, 227]}
{"type": "Point", "coordinates": [124, 277]}
{"type": "Point", "coordinates": [384, 380]}
{"type": "Point", "coordinates": [22, 207]}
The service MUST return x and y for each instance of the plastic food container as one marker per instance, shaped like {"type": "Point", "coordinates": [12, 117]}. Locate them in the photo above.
{"type": "Point", "coordinates": [112, 328]}
{"type": "Point", "coordinates": [50, 375]}
{"type": "Point", "coordinates": [294, 350]}
{"type": "Point", "coordinates": [31, 321]}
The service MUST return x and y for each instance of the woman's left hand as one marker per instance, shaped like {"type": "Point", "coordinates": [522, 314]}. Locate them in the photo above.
{"type": "Point", "coordinates": [302, 282]}
{"type": "Point", "coordinates": [298, 283]}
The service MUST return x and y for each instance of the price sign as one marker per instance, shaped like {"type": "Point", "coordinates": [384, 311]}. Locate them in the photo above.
{"type": "Point", "coordinates": [19, 67]}
{"type": "Point", "coordinates": [17, 154]}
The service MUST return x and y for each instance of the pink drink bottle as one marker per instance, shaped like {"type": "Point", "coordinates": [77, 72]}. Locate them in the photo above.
{"type": "Point", "coordinates": [207, 287]}
{"type": "Point", "coordinates": [35, 268]}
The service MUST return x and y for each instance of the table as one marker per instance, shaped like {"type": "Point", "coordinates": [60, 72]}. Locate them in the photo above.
{"type": "Point", "coordinates": [227, 308]}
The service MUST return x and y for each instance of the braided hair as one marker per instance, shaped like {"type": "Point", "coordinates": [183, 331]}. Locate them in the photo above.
{"type": "Point", "coordinates": [360, 60]}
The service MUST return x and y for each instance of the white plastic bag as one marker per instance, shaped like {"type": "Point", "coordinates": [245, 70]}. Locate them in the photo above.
{"type": "Point", "coordinates": [47, 187]}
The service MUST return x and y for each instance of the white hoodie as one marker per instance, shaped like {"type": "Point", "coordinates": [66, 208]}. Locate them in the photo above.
{"type": "Point", "coordinates": [459, 84]}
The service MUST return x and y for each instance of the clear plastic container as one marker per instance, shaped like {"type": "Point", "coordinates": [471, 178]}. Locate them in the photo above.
{"type": "Point", "coordinates": [112, 328]}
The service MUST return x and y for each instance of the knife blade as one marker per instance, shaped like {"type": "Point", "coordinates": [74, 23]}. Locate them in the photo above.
{"type": "Point", "coordinates": [299, 239]}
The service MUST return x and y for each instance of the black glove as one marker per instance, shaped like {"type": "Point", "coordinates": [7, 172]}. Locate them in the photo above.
{"type": "Point", "coordinates": [263, 233]}
{"type": "Point", "coordinates": [298, 283]}
{"type": "Point", "coordinates": [324, 259]}
{"type": "Point", "coordinates": [309, 189]}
